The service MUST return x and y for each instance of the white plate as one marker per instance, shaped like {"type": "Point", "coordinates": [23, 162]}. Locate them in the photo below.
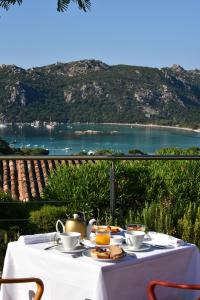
{"type": "Point", "coordinates": [77, 249]}
{"type": "Point", "coordinates": [87, 253]}
{"type": "Point", "coordinates": [143, 248]}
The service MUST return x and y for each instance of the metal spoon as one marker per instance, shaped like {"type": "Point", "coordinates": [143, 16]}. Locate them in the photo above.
{"type": "Point", "coordinates": [49, 247]}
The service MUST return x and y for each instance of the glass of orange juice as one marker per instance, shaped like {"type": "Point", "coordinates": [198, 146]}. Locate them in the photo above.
{"type": "Point", "coordinates": [102, 237]}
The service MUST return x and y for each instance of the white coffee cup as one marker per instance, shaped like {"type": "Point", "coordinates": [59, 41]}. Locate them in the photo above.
{"type": "Point", "coordinates": [70, 240]}
{"type": "Point", "coordinates": [134, 239]}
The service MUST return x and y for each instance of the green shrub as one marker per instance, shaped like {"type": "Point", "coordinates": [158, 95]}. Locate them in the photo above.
{"type": "Point", "coordinates": [108, 152]}
{"type": "Point", "coordinates": [183, 223]}
{"type": "Point", "coordinates": [87, 187]}
{"type": "Point", "coordinates": [196, 239]}
{"type": "Point", "coordinates": [12, 209]}
{"type": "Point", "coordinates": [34, 151]}
{"type": "Point", "coordinates": [132, 179]}
{"type": "Point", "coordinates": [5, 148]}
{"type": "Point", "coordinates": [155, 216]}
{"type": "Point", "coordinates": [82, 188]}
{"type": "Point", "coordinates": [135, 151]}
{"type": "Point", "coordinates": [174, 180]}
{"type": "Point", "coordinates": [189, 224]}
{"type": "Point", "coordinates": [6, 236]}
{"type": "Point", "coordinates": [44, 220]}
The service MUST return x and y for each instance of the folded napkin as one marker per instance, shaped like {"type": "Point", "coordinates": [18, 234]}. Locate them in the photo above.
{"type": "Point", "coordinates": [38, 238]}
{"type": "Point", "coordinates": [164, 240]}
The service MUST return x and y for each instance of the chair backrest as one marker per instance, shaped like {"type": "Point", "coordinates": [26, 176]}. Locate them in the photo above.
{"type": "Point", "coordinates": [152, 284]}
{"type": "Point", "coordinates": [39, 284]}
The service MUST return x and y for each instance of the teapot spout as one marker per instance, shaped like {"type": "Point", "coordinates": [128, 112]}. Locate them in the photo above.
{"type": "Point", "coordinates": [89, 227]}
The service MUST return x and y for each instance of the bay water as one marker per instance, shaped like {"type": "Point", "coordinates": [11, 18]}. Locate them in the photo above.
{"type": "Point", "coordinates": [65, 139]}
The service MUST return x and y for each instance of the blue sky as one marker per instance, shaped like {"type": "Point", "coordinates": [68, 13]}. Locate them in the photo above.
{"type": "Point", "coordinates": [153, 33]}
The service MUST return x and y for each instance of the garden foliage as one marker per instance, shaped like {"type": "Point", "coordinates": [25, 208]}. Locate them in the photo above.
{"type": "Point", "coordinates": [164, 195]}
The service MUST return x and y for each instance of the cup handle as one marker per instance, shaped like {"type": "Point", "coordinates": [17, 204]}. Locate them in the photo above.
{"type": "Point", "coordinates": [129, 241]}
{"type": "Point", "coordinates": [61, 223]}
{"type": "Point", "coordinates": [77, 243]}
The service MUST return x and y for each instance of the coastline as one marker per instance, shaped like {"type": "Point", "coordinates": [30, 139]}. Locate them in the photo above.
{"type": "Point", "coordinates": [109, 123]}
{"type": "Point", "coordinates": [153, 126]}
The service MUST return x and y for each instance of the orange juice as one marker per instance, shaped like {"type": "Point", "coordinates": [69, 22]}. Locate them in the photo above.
{"type": "Point", "coordinates": [102, 237]}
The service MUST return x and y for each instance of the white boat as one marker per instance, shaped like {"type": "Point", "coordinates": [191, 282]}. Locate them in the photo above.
{"type": "Point", "coordinates": [35, 124]}
{"type": "Point", "coordinates": [50, 126]}
{"type": "Point", "coordinates": [90, 152]}
{"type": "Point", "coordinates": [2, 125]}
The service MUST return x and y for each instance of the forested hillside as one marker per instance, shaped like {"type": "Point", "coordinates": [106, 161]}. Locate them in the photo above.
{"type": "Point", "coordinates": [92, 91]}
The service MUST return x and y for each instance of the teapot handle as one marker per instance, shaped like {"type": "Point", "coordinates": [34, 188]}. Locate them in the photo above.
{"type": "Point", "coordinates": [61, 223]}
{"type": "Point", "coordinates": [89, 227]}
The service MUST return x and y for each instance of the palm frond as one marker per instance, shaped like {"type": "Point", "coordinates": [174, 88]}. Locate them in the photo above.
{"type": "Point", "coordinates": [62, 5]}
{"type": "Point", "coordinates": [7, 3]}
{"type": "Point", "coordinates": [84, 4]}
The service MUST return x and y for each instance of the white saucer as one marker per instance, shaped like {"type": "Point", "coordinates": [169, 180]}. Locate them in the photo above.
{"type": "Point", "coordinates": [143, 248]}
{"type": "Point", "coordinates": [77, 249]}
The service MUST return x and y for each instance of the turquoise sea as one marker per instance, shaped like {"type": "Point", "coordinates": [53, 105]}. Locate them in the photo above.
{"type": "Point", "coordinates": [68, 139]}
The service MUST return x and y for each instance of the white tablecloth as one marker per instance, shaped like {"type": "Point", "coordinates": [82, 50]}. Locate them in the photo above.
{"type": "Point", "coordinates": [83, 278]}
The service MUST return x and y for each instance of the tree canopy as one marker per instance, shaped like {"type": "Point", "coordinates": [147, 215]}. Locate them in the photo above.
{"type": "Point", "coordinates": [62, 5]}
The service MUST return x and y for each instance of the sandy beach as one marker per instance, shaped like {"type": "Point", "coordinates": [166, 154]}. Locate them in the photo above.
{"type": "Point", "coordinates": [154, 126]}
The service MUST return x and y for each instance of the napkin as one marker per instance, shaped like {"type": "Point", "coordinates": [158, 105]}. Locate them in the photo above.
{"type": "Point", "coordinates": [164, 240]}
{"type": "Point", "coordinates": [38, 238]}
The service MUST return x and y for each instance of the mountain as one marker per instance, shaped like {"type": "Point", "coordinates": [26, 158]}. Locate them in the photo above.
{"type": "Point", "coordinates": [92, 91]}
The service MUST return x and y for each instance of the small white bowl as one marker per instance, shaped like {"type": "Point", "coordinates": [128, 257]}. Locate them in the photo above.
{"type": "Point", "coordinates": [116, 239]}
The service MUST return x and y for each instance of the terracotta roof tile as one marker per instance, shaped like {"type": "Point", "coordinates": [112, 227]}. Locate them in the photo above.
{"type": "Point", "coordinates": [26, 179]}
